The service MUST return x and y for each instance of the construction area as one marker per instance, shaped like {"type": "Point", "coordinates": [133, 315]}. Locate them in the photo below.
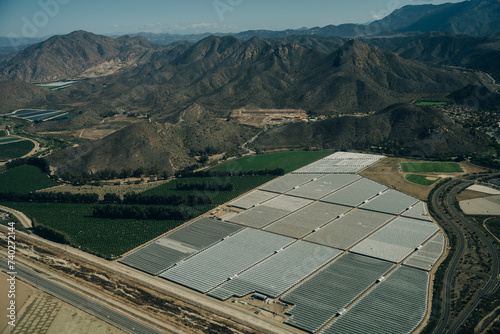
{"type": "Point", "coordinates": [321, 250]}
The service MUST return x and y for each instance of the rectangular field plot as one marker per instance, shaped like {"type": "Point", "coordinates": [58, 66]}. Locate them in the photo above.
{"type": "Point", "coordinates": [224, 261]}
{"type": "Point", "coordinates": [396, 305]}
{"type": "Point", "coordinates": [391, 201]}
{"type": "Point", "coordinates": [168, 250]}
{"type": "Point", "coordinates": [426, 257]}
{"type": "Point", "coordinates": [254, 198]}
{"type": "Point", "coordinates": [356, 193]}
{"type": "Point", "coordinates": [288, 182]}
{"type": "Point", "coordinates": [418, 211]}
{"type": "Point", "coordinates": [258, 217]}
{"type": "Point", "coordinates": [340, 163]}
{"type": "Point", "coordinates": [269, 211]}
{"type": "Point", "coordinates": [396, 240]}
{"type": "Point", "coordinates": [304, 221]}
{"type": "Point", "coordinates": [320, 297]}
{"type": "Point", "coordinates": [323, 186]}
{"type": "Point", "coordinates": [346, 231]}
{"type": "Point", "coordinates": [279, 272]}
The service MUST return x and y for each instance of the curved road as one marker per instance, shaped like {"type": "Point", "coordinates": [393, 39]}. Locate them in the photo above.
{"type": "Point", "coordinates": [455, 186]}
{"type": "Point", "coordinates": [84, 303]}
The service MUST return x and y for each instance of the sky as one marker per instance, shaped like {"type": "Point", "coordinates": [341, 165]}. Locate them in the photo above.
{"type": "Point", "coordinates": [40, 18]}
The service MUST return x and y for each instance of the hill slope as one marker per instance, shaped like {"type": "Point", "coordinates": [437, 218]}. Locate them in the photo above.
{"type": "Point", "coordinates": [399, 129]}
{"type": "Point", "coordinates": [77, 55]}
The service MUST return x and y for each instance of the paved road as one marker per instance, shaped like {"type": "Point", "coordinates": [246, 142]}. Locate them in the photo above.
{"type": "Point", "coordinates": [86, 304]}
{"type": "Point", "coordinates": [25, 221]}
{"type": "Point", "coordinates": [455, 187]}
{"type": "Point", "coordinates": [450, 271]}
{"type": "Point", "coordinates": [495, 268]}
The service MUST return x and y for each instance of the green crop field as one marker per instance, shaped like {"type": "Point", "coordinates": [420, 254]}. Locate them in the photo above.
{"type": "Point", "coordinates": [104, 237]}
{"type": "Point", "coordinates": [431, 167]}
{"type": "Point", "coordinates": [3, 133]}
{"type": "Point", "coordinates": [15, 150]}
{"type": "Point", "coordinates": [290, 161]}
{"type": "Point", "coordinates": [112, 237]}
{"type": "Point", "coordinates": [430, 103]}
{"type": "Point", "coordinates": [24, 179]}
{"type": "Point", "coordinates": [241, 185]}
{"type": "Point", "coordinates": [420, 179]}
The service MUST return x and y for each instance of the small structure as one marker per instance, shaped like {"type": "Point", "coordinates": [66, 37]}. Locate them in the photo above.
{"type": "Point", "coordinates": [259, 296]}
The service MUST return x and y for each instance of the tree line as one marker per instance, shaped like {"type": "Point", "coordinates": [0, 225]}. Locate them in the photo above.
{"type": "Point", "coordinates": [205, 186]}
{"type": "Point", "coordinates": [139, 212]}
{"type": "Point", "coordinates": [37, 162]}
{"type": "Point", "coordinates": [109, 198]}
{"type": "Point", "coordinates": [189, 172]}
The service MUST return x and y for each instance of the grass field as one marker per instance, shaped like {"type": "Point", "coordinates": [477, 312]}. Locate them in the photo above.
{"type": "Point", "coordinates": [430, 103]}
{"type": "Point", "coordinates": [3, 133]}
{"type": "Point", "coordinates": [420, 179]}
{"type": "Point", "coordinates": [15, 150]}
{"type": "Point", "coordinates": [431, 167]}
{"type": "Point", "coordinates": [290, 161]}
{"type": "Point", "coordinates": [24, 179]}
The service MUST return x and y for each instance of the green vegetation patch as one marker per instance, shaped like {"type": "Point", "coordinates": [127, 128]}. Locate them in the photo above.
{"type": "Point", "coordinates": [110, 238]}
{"type": "Point", "coordinates": [431, 167]}
{"type": "Point", "coordinates": [15, 150]}
{"type": "Point", "coordinates": [24, 179]}
{"type": "Point", "coordinates": [241, 184]}
{"type": "Point", "coordinates": [289, 161]}
{"type": "Point", "coordinates": [104, 237]}
{"type": "Point", "coordinates": [421, 179]}
{"type": "Point", "coordinates": [431, 103]}
{"type": "Point", "coordinates": [3, 133]}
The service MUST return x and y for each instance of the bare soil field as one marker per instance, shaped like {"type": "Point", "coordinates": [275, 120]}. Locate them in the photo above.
{"type": "Point", "coordinates": [120, 190]}
{"type": "Point", "coordinates": [388, 172]}
{"type": "Point", "coordinates": [260, 117]}
{"type": "Point", "coordinates": [39, 312]}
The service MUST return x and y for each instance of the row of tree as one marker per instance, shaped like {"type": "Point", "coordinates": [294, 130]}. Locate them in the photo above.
{"type": "Point", "coordinates": [50, 233]}
{"type": "Point", "coordinates": [49, 197]}
{"type": "Point", "coordinates": [205, 186]}
{"type": "Point", "coordinates": [109, 198]}
{"type": "Point", "coordinates": [37, 162]}
{"type": "Point", "coordinates": [188, 172]}
{"type": "Point", "coordinates": [139, 212]}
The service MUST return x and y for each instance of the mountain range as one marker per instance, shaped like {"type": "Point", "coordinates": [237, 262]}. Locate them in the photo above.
{"type": "Point", "coordinates": [189, 88]}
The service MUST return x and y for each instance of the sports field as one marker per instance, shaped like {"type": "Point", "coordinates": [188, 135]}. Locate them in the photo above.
{"type": "Point", "coordinates": [290, 161]}
{"type": "Point", "coordinates": [431, 167]}
{"type": "Point", "coordinates": [423, 180]}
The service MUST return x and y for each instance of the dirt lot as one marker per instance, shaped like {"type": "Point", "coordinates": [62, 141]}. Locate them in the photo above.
{"type": "Point", "coordinates": [120, 190]}
{"type": "Point", "coordinates": [388, 171]}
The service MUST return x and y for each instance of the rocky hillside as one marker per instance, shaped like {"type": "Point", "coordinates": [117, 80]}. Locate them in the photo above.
{"type": "Point", "coordinates": [77, 55]}
{"type": "Point", "coordinates": [399, 129]}
{"type": "Point", "coordinates": [162, 147]}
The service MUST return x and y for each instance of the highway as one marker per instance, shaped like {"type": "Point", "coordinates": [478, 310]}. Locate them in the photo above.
{"type": "Point", "coordinates": [103, 312]}
{"type": "Point", "coordinates": [456, 186]}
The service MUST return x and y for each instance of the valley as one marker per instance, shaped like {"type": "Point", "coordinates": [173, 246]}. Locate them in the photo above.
{"type": "Point", "coordinates": [156, 182]}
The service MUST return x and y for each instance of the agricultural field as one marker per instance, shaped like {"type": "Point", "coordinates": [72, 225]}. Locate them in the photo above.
{"type": "Point", "coordinates": [431, 103]}
{"type": "Point", "coordinates": [104, 237]}
{"type": "Point", "coordinates": [15, 150]}
{"type": "Point", "coordinates": [3, 133]}
{"type": "Point", "coordinates": [290, 161]}
{"type": "Point", "coordinates": [24, 179]}
{"type": "Point", "coordinates": [423, 180]}
{"type": "Point", "coordinates": [241, 184]}
{"type": "Point", "coordinates": [431, 167]}
{"type": "Point", "coordinates": [110, 238]}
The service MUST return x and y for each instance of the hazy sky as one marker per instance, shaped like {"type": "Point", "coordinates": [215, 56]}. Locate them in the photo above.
{"type": "Point", "coordinates": [37, 18]}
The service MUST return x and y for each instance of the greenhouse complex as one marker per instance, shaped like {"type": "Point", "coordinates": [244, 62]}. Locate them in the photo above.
{"type": "Point", "coordinates": [338, 252]}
